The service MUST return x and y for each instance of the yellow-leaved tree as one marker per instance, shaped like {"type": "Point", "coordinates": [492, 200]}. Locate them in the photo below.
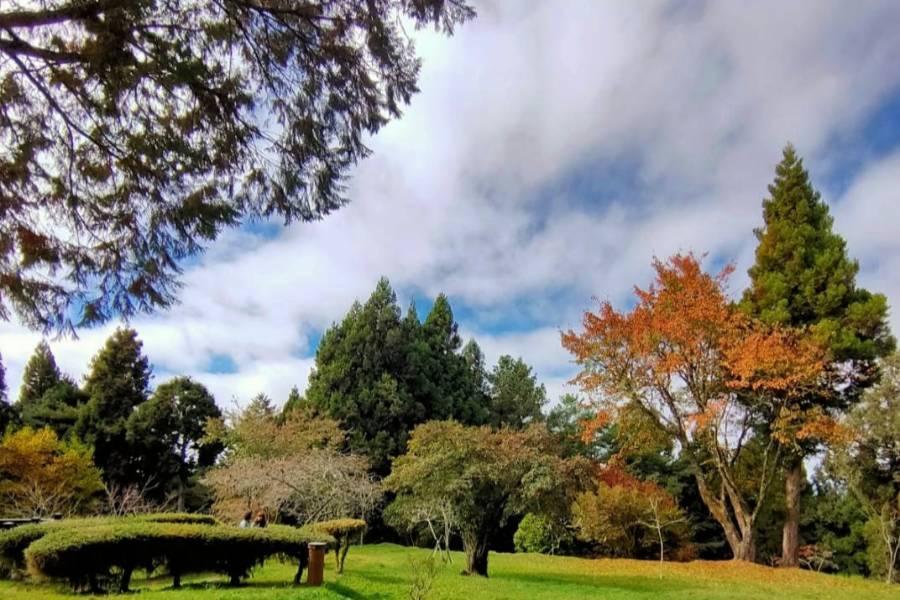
{"type": "Point", "coordinates": [41, 475]}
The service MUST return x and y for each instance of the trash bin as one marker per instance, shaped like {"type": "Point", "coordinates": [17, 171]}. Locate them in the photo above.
{"type": "Point", "coordinates": [316, 573]}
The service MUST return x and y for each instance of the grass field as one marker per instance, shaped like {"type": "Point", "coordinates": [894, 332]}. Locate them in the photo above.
{"type": "Point", "coordinates": [384, 571]}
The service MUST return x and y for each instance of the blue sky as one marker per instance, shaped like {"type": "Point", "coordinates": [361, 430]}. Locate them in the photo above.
{"type": "Point", "coordinates": [549, 156]}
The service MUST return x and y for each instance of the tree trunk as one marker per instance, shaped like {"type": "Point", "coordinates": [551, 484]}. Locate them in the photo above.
{"type": "Point", "coordinates": [125, 580]}
{"type": "Point", "coordinates": [746, 548]}
{"type": "Point", "coordinates": [741, 542]}
{"type": "Point", "coordinates": [790, 538]}
{"type": "Point", "coordinates": [345, 547]}
{"type": "Point", "coordinates": [476, 548]}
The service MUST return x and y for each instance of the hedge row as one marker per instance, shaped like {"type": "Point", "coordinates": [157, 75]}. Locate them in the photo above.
{"type": "Point", "coordinates": [86, 557]}
{"type": "Point", "coordinates": [13, 542]}
{"type": "Point", "coordinates": [341, 530]}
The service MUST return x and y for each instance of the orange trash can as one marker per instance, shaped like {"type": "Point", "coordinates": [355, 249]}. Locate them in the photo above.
{"type": "Point", "coordinates": [316, 573]}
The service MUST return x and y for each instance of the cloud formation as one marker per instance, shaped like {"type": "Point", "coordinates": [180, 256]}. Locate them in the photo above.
{"type": "Point", "coordinates": [550, 155]}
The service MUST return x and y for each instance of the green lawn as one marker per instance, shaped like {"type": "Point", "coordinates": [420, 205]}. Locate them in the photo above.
{"type": "Point", "coordinates": [384, 571]}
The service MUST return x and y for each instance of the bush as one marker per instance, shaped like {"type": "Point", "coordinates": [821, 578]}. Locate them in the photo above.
{"type": "Point", "coordinates": [537, 534]}
{"type": "Point", "coordinates": [13, 542]}
{"type": "Point", "coordinates": [87, 556]}
{"type": "Point", "coordinates": [341, 530]}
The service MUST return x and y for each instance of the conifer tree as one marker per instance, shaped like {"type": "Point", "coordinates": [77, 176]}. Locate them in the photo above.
{"type": "Point", "coordinates": [7, 412]}
{"type": "Point", "coordinates": [293, 403]}
{"type": "Point", "coordinates": [117, 382]}
{"type": "Point", "coordinates": [40, 375]}
{"type": "Point", "coordinates": [360, 378]}
{"type": "Point", "coordinates": [58, 408]}
{"type": "Point", "coordinates": [516, 396]}
{"type": "Point", "coordinates": [803, 277]}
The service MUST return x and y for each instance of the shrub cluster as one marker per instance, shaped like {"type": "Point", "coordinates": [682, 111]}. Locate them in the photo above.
{"type": "Point", "coordinates": [86, 557]}
{"type": "Point", "coordinates": [341, 530]}
{"type": "Point", "coordinates": [13, 542]}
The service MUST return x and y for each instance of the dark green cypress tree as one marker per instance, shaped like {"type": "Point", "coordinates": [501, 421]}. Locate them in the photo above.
{"type": "Point", "coordinates": [360, 378]}
{"type": "Point", "coordinates": [803, 277]}
{"type": "Point", "coordinates": [58, 408]}
{"type": "Point", "coordinates": [294, 402]}
{"type": "Point", "coordinates": [8, 415]}
{"type": "Point", "coordinates": [117, 382]}
{"type": "Point", "coordinates": [40, 375]}
{"type": "Point", "coordinates": [516, 396]}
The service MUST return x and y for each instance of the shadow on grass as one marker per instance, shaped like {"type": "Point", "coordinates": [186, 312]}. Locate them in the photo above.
{"type": "Point", "coordinates": [346, 592]}
{"type": "Point", "coordinates": [388, 579]}
{"type": "Point", "coordinates": [642, 585]}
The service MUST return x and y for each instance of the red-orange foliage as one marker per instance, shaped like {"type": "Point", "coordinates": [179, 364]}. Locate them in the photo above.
{"type": "Point", "coordinates": [685, 357]}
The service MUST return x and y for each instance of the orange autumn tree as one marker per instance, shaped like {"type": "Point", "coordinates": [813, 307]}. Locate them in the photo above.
{"type": "Point", "coordinates": [686, 358]}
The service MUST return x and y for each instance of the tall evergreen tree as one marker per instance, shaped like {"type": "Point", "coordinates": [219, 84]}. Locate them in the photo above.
{"type": "Point", "coordinates": [117, 383]}
{"type": "Point", "coordinates": [40, 375]}
{"type": "Point", "coordinates": [803, 277]}
{"type": "Point", "coordinates": [450, 391]}
{"type": "Point", "coordinates": [381, 373]}
{"type": "Point", "coordinates": [516, 395]}
{"type": "Point", "coordinates": [294, 402]}
{"type": "Point", "coordinates": [167, 433]}
{"type": "Point", "coordinates": [7, 412]}
{"type": "Point", "coordinates": [360, 378]}
{"type": "Point", "coordinates": [58, 408]}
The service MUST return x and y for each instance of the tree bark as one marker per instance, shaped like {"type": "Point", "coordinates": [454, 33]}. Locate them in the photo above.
{"type": "Point", "coordinates": [476, 548]}
{"type": "Point", "coordinates": [790, 537]}
{"type": "Point", "coordinates": [746, 548]}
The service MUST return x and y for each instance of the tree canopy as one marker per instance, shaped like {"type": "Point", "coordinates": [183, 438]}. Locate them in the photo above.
{"type": "Point", "coordinates": [167, 435]}
{"type": "Point", "coordinates": [134, 131]}
{"type": "Point", "coordinates": [485, 476]}
{"type": "Point", "coordinates": [803, 277]}
{"type": "Point", "coordinates": [380, 375]}
{"type": "Point", "coordinates": [40, 375]}
{"type": "Point", "coordinates": [41, 475]}
{"type": "Point", "coordinates": [117, 382]}
{"type": "Point", "coordinates": [682, 357]}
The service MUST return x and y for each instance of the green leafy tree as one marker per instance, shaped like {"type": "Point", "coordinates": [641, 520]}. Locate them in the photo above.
{"type": "Point", "coordinates": [516, 395]}
{"type": "Point", "coordinates": [39, 376]}
{"type": "Point", "coordinates": [117, 382]}
{"type": "Point", "coordinates": [483, 476]}
{"type": "Point", "coordinates": [148, 127]}
{"type": "Point", "coordinates": [870, 467]}
{"type": "Point", "coordinates": [803, 277]}
{"type": "Point", "coordinates": [566, 420]}
{"type": "Point", "coordinates": [58, 408]}
{"type": "Point", "coordinates": [168, 437]}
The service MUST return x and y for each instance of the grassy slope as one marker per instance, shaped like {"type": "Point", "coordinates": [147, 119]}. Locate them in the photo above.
{"type": "Point", "coordinates": [383, 571]}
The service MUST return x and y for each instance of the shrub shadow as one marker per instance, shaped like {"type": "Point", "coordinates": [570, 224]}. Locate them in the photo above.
{"type": "Point", "coordinates": [346, 592]}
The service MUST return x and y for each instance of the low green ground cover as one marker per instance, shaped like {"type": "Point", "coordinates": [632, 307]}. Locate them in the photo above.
{"type": "Point", "coordinates": [381, 572]}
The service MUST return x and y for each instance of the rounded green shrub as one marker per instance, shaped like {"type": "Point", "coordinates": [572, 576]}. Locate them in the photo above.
{"type": "Point", "coordinates": [13, 542]}
{"type": "Point", "coordinates": [87, 556]}
{"type": "Point", "coordinates": [534, 534]}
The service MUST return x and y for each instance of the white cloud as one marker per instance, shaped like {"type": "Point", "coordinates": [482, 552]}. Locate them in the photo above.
{"type": "Point", "coordinates": [466, 194]}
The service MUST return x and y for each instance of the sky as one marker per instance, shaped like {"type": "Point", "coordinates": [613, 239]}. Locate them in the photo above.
{"type": "Point", "coordinates": [553, 151]}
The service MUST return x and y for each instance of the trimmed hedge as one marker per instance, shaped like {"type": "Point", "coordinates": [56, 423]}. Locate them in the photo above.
{"type": "Point", "coordinates": [87, 556]}
{"type": "Point", "coordinates": [341, 530]}
{"type": "Point", "coordinates": [13, 542]}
